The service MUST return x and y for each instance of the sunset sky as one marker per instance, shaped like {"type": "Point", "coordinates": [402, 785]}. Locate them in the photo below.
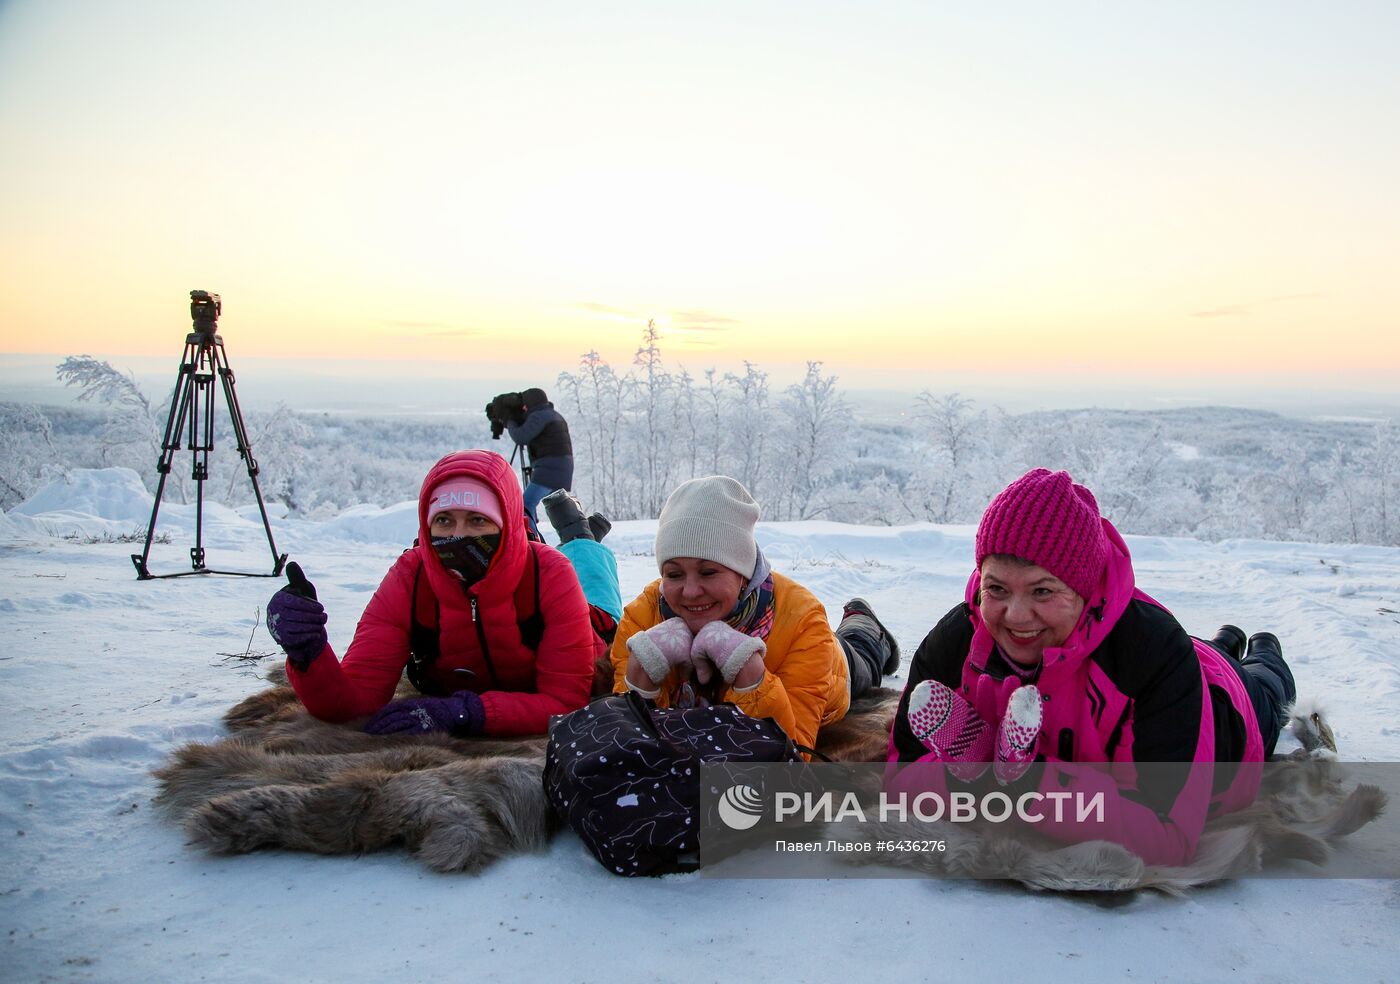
{"type": "Point", "coordinates": [903, 190]}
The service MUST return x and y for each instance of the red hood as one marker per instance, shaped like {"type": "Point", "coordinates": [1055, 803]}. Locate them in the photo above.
{"type": "Point", "coordinates": [509, 562]}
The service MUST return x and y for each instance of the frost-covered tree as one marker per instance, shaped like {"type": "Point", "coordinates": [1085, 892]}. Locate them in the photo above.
{"type": "Point", "coordinates": [1134, 480]}
{"type": "Point", "coordinates": [593, 400]}
{"type": "Point", "coordinates": [279, 440]}
{"type": "Point", "coordinates": [132, 428]}
{"type": "Point", "coordinates": [1347, 514]}
{"type": "Point", "coordinates": [1289, 489]}
{"type": "Point", "coordinates": [653, 402]}
{"type": "Point", "coordinates": [948, 487]}
{"type": "Point", "coordinates": [712, 401]}
{"type": "Point", "coordinates": [817, 427]}
{"type": "Point", "coordinates": [687, 411]}
{"type": "Point", "coordinates": [1363, 489]}
{"type": "Point", "coordinates": [131, 420]}
{"type": "Point", "coordinates": [749, 418]}
{"type": "Point", "coordinates": [28, 455]}
{"type": "Point", "coordinates": [1385, 458]}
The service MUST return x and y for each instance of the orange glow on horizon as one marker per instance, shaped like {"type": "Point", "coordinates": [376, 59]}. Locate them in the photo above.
{"type": "Point", "coordinates": [897, 194]}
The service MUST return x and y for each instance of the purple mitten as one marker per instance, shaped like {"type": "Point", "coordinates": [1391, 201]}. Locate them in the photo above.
{"type": "Point", "coordinates": [296, 620]}
{"type": "Point", "coordinates": [1018, 735]}
{"type": "Point", "coordinates": [661, 648]}
{"type": "Point", "coordinates": [951, 728]}
{"type": "Point", "coordinates": [460, 715]}
{"type": "Point", "coordinates": [723, 648]}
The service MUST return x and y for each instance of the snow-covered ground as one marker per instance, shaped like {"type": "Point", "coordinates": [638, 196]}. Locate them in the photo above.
{"type": "Point", "coordinates": [101, 676]}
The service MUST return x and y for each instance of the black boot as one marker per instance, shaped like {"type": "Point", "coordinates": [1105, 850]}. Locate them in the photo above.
{"type": "Point", "coordinates": [1230, 640]}
{"type": "Point", "coordinates": [860, 608]}
{"type": "Point", "coordinates": [599, 525]}
{"type": "Point", "coordinates": [1265, 644]}
{"type": "Point", "coordinates": [566, 516]}
{"type": "Point", "coordinates": [1270, 684]}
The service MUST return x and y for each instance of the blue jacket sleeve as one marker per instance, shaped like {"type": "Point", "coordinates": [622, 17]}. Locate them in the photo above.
{"type": "Point", "coordinates": [597, 572]}
{"type": "Point", "coordinates": [533, 425]}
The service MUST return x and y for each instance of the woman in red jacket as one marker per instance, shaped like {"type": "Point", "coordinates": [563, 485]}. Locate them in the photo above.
{"type": "Point", "coordinates": [513, 643]}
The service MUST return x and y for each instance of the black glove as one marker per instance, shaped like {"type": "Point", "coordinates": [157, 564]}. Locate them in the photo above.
{"type": "Point", "coordinates": [461, 714]}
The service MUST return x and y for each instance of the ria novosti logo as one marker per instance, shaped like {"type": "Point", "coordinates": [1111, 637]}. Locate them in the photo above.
{"type": "Point", "coordinates": [741, 807]}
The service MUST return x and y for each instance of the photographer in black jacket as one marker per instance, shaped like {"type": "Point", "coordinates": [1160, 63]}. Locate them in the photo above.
{"type": "Point", "coordinates": [534, 423]}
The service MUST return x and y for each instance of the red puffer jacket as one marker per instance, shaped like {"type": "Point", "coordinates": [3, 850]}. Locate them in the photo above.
{"type": "Point", "coordinates": [479, 632]}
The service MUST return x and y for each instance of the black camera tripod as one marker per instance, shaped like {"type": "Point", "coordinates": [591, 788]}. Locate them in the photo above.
{"type": "Point", "coordinates": [192, 416]}
{"type": "Point", "coordinates": [525, 467]}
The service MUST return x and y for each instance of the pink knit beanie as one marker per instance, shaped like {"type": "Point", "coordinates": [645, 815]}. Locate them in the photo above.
{"type": "Point", "coordinates": [1045, 518]}
{"type": "Point", "coordinates": [465, 493]}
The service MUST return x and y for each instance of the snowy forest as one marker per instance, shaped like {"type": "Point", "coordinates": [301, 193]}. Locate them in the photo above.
{"type": "Point", "coordinates": [803, 450]}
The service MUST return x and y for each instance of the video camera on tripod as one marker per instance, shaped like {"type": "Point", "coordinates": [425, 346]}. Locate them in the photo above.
{"type": "Point", "coordinates": [205, 309]}
{"type": "Point", "coordinates": [505, 408]}
{"type": "Point", "coordinates": [509, 408]}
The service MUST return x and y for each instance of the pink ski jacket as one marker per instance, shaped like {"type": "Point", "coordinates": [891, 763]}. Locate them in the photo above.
{"type": "Point", "coordinates": [1129, 687]}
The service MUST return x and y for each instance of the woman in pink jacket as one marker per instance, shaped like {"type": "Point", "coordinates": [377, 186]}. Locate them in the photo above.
{"type": "Point", "coordinates": [1057, 658]}
{"type": "Point", "coordinates": [492, 627]}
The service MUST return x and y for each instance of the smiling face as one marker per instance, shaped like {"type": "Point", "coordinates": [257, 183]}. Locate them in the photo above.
{"type": "Point", "coordinates": [460, 522]}
{"type": "Point", "coordinates": [700, 591]}
{"type": "Point", "coordinates": [1026, 608]}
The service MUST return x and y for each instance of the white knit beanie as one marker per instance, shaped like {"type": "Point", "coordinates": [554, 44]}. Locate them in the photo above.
{"type": "Point", "coordinates": [709, 518]}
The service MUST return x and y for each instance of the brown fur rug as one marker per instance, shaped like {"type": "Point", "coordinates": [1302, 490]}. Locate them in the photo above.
{"type": "Point", "coordinates": [282, 779]}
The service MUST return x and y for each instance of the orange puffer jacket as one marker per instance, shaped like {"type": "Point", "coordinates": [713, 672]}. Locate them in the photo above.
{"type": "Point", "coordinates": [806, 685]}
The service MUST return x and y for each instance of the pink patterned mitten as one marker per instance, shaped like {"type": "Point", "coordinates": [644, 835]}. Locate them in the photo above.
{"type": "Point", "coordinates": [951, 728]}
{"type": "Point", "coordinates": [1018, 735]}
{"type": "Point", "coordinates": [725, 648]}
{"type": "Point", "coordinates": [661, 648]}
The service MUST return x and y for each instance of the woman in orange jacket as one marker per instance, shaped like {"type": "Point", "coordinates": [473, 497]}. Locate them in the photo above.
{"type": "Point", "coordinates": [721, 625]}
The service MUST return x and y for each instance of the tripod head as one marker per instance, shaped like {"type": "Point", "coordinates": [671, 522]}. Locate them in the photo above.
{"type": "Point", "coordinates": [205, 309]}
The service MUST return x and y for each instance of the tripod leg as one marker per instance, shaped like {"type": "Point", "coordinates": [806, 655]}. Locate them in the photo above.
{"type": "Point", "coordinates": [201, 443]}
{"type": "Point", "coordinates": [170, 443]}
{"type": "Point", "coordinates": [245, 450]}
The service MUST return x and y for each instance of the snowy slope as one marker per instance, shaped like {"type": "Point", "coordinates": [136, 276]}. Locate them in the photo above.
{"type": "Point", "coordinates": [102, 675]}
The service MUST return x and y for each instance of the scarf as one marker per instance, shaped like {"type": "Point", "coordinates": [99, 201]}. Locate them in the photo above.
{"type": "Point", "coordinates": [753, 612]}
{"type": "Point", "coordinates": [467, 557]}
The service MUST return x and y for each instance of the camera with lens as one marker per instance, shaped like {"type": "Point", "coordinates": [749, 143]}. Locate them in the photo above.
{"type": "Point", "coordinates": [505, 408]}
{"type": "Point", "coordinates": [204, 309]}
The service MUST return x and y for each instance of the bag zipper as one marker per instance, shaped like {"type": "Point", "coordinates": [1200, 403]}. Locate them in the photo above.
{"type": "Point", "coordinates": [638, 706]}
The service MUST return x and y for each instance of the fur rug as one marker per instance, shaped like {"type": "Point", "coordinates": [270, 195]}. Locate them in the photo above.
{"type": "Point", "coordinates": [1304, 805]}
{"type": "Point", "coordinates": [282, 779]}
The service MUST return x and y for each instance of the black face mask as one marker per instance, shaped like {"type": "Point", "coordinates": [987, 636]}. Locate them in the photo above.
{"type": "Point", "coordinates": [467, 556]}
